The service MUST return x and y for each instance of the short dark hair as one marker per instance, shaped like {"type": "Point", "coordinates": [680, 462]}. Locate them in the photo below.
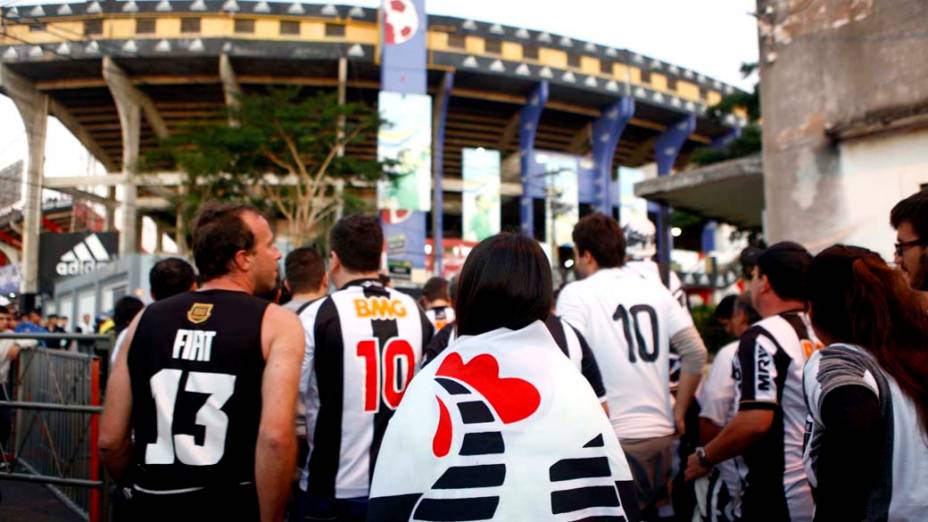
{"type": "Point", "coordinates": [305, 268]}
{"type": "Point", "coordinates": [4, 309]}
{"type": "Point", "coordinates": [169, 277]}
{"type": "Point", "coordinates": [358, 241]}
{"type": "Point", "coordinates": [786, 265]}
{"type": "Point", "coordinates": [436, 288]}
{"type": "Point", "coordinates": [602, 237]}
{"type": "Point", "coordinates": [725, 309]}
{"type": "Point", "coordinates": [912, 210]}
{"type": "Point", "coordinates": [125, 310]}
{"type": "Point", "coordinates": [218, 233]}
{"type": "Point", "coordinates": [505, 282]}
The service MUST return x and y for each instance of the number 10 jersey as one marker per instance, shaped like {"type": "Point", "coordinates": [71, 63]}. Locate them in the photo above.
{"type": "Point", "coordinates": [195, 367]}
{"type": "Point", "coordinates": [363, 344]}
{"type": "Point", "coordinates": [628, 321]}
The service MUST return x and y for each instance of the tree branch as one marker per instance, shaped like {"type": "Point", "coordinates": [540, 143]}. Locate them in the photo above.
{"type": "Point", "coordinates": [275, 159]}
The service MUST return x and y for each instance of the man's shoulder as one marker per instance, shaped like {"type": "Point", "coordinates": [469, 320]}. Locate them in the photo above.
{"type": "Point", "coordinates": [728, 351]}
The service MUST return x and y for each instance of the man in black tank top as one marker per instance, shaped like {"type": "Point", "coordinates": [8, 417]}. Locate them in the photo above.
{"type": "Point", "coordinates": [199, 412]}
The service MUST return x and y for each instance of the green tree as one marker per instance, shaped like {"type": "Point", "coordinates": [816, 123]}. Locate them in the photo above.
{"type": "Point", "coordinates": [749, 142]}
{"type": "Point", "coordinates": [277, 149]}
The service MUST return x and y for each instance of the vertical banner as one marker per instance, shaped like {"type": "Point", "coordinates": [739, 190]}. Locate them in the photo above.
{"type": "Point", "coordinates": [480, 199]}
{"type": "Point", "coordinates": [406, 139]}
{"type": "Point", "coordinates": [404, 24]}
{"type": "Point", "coordinates": [404, 235]}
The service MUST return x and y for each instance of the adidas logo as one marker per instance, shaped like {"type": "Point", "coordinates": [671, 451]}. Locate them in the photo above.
{"type": "Point", "coordinates": [84, 257]}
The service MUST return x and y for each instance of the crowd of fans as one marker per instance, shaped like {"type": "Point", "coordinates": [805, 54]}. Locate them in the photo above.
{"type": "Point", "coordinates": [815, 411]}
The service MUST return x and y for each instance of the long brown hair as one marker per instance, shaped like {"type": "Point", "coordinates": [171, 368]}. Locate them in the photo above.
{"type": "Point", "coordinates": [856, 298]}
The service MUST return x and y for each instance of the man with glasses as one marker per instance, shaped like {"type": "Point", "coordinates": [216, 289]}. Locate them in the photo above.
{"type": "Point", "coordinates": [910, 219]}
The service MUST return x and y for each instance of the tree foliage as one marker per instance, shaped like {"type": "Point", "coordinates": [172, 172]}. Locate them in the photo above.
{"type": "Point", "coordinates": [276, 149]}
{"type": "Point", "coordinates": [749, 142]}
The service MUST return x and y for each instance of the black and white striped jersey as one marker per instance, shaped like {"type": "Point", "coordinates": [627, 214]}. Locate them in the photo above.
{"type": "Point", "coordinates": [768, 370]}
{"type": "Point", "coordinates": [899, 492]}
{"type": "Point", "coordinates": [363, 345]}
{"type": "Point", "coordinates": [440, 316]}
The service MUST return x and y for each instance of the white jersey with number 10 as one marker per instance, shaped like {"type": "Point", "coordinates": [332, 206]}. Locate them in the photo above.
{"type": "Point", "coordinates": [628, 321]}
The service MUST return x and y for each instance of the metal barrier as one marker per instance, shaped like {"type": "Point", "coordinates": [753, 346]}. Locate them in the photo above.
{"type": "Point", "coordinates": [56, 396]}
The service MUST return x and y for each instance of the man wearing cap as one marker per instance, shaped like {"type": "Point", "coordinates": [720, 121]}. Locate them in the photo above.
{"type": "Point", "coordinates": [766, 433]}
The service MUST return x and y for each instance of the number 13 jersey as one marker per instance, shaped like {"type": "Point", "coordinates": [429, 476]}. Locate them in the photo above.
{"type": "Point", "coordinates": [195, 367]}
{"type": "Point", "coordinates": [363, 344]}
{"type": "Point", "coordinates": [628, 321]}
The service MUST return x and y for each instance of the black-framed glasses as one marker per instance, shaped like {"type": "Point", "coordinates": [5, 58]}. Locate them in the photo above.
{"type": "Point", "coordinates": [902, 245]}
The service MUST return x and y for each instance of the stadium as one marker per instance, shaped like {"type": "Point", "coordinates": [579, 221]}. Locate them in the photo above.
{"type": "Point", "coordinates": [183, 60]}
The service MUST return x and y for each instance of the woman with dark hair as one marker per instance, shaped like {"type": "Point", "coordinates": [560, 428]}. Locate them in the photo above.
{"type": "Point", "coordinates": [501, 425]}
{"type": "Point", "coordinates": [867, 392]}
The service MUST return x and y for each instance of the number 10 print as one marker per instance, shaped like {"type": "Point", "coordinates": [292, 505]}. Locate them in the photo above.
{"type": "Point", "coordinates": [382, 371]}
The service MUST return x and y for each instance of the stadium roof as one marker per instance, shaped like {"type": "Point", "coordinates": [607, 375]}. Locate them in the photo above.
{"type": "Point", "coordinates": [171, 52]}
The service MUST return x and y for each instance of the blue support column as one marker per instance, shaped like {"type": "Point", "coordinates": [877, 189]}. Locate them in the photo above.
{"type": "Point", "coordinates": [722, 141]}
{"type": "Point", "coordinates": [438, 171]}
{"type": "Point", "coordinates": [708, 237]}
{"type": "Point", "coordinates": [708, 230]}
{"type": "Point", "coordinates": [607, 130]}
{"type": "Point", "coordinates": [666, 149]}
{"type": "Point", "coordinates": [528, 128]}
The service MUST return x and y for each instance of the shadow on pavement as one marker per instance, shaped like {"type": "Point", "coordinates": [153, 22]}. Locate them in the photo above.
{"type": "Point", "coordinates": [28, 502]}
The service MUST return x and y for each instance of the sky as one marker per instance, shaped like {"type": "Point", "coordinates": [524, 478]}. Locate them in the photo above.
{"type": "Point", "coordinates": [713, 37]}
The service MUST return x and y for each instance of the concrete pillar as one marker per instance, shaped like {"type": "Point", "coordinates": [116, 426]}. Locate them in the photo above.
{"type": "Point", "coordinates": [110, 223]}
{"type": "Point", "coordinates": [342, 97]}
{"type": "Point", "coordinates": [159, 243]}
{"type": "Point", "coordinates": [33, 109]}
{"type": "Point", "coordinates": [180, 225]}
{"type": "Point", "coordinates": [230, 85]}
{"type": "Point", "coordinates": [130, 123]}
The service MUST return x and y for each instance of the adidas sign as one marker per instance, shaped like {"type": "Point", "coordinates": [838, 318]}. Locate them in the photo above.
{"type": "Point", "coordinates": [84, 257]}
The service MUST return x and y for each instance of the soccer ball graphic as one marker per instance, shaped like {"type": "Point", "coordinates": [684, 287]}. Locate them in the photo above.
{"type": "Point", "coordinates": [401, 21]}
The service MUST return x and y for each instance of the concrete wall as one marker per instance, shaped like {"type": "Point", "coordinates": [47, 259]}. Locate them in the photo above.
{"type": "Point", "coordinates": [825, 63]}
{"type": "Point", "coordinates": [875, 174]}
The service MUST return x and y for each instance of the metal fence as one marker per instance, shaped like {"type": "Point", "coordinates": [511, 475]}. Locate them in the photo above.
{"type": "Point", "coordinates": [56, 399]}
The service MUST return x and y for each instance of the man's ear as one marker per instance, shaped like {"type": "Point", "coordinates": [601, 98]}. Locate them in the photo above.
{"type": "Point", "coordinates": [242, 260]}
{"type": "Point", "coordinates": [334, 262]}
{"type": "Point", "coordinates": [765, 283]}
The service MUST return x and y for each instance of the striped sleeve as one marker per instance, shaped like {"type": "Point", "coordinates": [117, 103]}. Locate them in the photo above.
{"type": "Point", "coordinates": [757, 372]}
{"type": "Point", "coordinates": [830, 369]}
